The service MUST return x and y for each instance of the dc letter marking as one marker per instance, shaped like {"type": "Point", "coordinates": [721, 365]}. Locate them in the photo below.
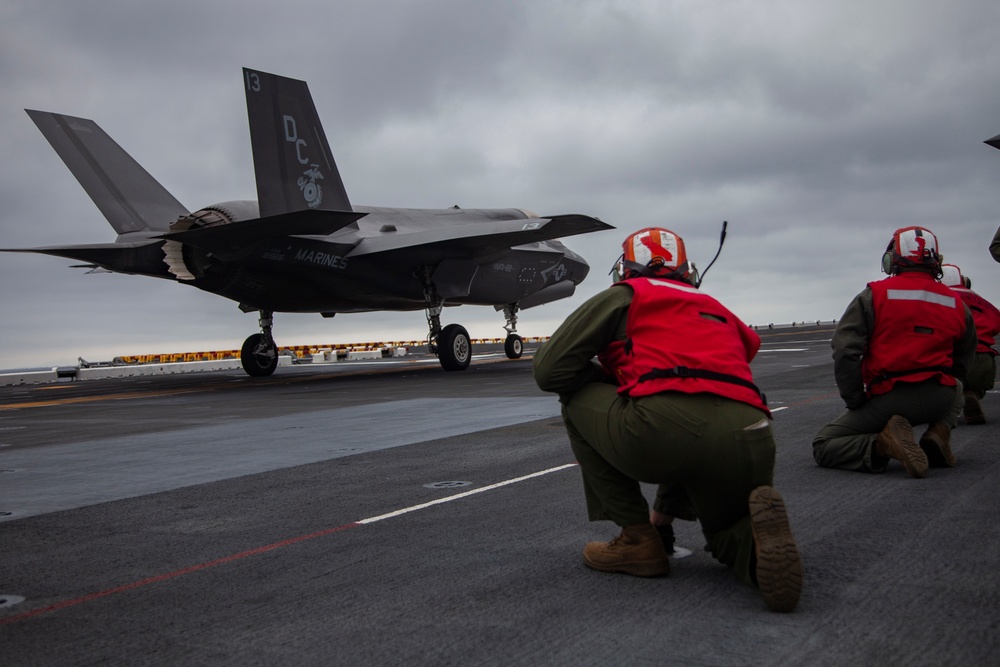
{"type": "Point", "coordinates": [312, 192]}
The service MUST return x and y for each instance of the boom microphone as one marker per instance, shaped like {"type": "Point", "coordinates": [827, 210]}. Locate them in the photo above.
{"type": "Point", "coordinates": [722, 239]}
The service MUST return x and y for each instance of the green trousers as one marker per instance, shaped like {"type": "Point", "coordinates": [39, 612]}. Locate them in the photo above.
{"type": "Point", "coordinates": [718, 449]}
{"type": "Point", "coordinates": [982, 374]}
{"type": "Point", "coordinates": [847, 442]}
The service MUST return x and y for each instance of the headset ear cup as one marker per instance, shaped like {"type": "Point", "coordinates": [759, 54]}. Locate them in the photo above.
{"type": "Point", "coordinates": [887, 263]}
{"type": "Point", "coordinates": [967, 281]}
{"type": "Point", "coordinates": [694, 278]}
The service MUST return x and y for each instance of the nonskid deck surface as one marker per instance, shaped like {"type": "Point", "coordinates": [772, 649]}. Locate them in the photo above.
{"type": "Point", "coordinates": [398, 513]}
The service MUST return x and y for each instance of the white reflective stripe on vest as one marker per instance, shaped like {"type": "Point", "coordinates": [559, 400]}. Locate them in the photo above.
{"type": "Point", "coordinates": [673, 285]}
{"type": "Point", "coordinates": [920, 295]}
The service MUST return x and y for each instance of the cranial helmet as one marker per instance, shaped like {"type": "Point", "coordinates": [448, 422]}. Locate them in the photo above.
{"type": "Point", "coordinates": [912, 248]}
{"type": "Point", "coordinates": [655, 252]}
{"type": "Point", "coordinates": [951, 276]}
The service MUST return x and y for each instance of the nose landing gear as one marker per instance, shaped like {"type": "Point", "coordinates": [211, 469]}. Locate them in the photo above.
{"type": "Point", "coordinates": [513, 346]}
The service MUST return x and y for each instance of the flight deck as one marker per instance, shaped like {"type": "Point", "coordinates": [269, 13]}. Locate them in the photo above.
{"type": "Point", "coordinates": [391, 512]}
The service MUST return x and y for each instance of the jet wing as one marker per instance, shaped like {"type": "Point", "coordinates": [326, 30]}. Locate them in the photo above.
{"type": "Point", "coordinates": [238, 234]}
{"type": "Point", "coordinates": [994, 142]}
{"type": "Point", "coordinates": [478, 239]}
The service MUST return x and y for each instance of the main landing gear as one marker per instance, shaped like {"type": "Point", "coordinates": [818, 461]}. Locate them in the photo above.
{"type": "Point", "coordinates": [451, 344]}
{"type": "Point", "coordinates": [454, 348]}
{"type": "Point", "coordinates": [259, 355]}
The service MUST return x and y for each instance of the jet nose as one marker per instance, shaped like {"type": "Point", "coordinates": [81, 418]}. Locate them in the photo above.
{"type": "Point", "coordinates": [576, 266]}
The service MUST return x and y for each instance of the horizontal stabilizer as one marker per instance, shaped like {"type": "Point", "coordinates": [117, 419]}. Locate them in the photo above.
{"type": "Point", "coordinates": [994, 142]}
{"type": "Point", "coordinates": [476, 239]}
{"type": "Point", "coordinates": [117, 257]}
{"type": "Point", "coordinates": [239, 234]}
{"type": "Point", "coordinates": [130, 199]}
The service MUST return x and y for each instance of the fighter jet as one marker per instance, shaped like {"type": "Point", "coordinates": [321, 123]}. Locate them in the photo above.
{"type": "Point", "coordinates": [302, 247]}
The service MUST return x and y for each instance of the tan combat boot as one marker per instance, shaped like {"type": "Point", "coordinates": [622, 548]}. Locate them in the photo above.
{"type": "Point", "coordinates": [637, 551]}
{"type": "Point", "coordinates": [778, 567]}
{"type": "Point", "coordinates": [936, 443]}
{"type": "Point", "coordinates": [973, 411]}
{"type": "Point", "coordinates": [896, 442]}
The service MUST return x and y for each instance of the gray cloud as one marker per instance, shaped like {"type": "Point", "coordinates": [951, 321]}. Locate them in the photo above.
{"type": "Point", "coordinates": [815, 130]}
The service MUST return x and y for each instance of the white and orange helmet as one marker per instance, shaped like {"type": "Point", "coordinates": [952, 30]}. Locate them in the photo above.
{"type": "Point", "coordinates": [655, 252]}
{"type": "Point", "coordinates": [912, 247]}
{"type": "Point", "coordinates": [951, 276]}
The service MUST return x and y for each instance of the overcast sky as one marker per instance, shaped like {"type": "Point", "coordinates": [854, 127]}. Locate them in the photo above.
{"type": "Point", "coordinates": [814, 128]}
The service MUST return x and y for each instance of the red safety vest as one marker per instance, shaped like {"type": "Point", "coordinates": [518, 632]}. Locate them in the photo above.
{"type": "Point", "coordinates": [985, 315]}
{"type": "Point", "coordinates": [679, 339]}
{"type": "Point", "coordinates": [918, 321]}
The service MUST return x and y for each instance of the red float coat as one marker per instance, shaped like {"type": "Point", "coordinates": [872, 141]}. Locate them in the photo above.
{"type": "Point", "coordinates": [985, 315]}
{"type": "Point", "coordinates": [679, 339]}
{"type": "Point", "coordinates": [917, 323]}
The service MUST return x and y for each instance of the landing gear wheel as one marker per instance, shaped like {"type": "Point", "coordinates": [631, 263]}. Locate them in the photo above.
{"type": "Point", "coordinates": [259, 356]}
{"type": "Point", "coordinates": [454, 348]}
{"type": "Point", "coordinates": [513, 346]}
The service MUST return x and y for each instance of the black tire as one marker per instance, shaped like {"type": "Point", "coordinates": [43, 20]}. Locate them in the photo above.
{"type": "Point", "coordinates": [513, 346]}
{"type": "Point", "coordinates": [258, 358]}
{"type": "Point", "coordinates": [454, 348]}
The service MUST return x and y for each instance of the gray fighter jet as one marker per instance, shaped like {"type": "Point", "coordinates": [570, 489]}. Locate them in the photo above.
{"type": "Point", "coordinates": [302, 247]}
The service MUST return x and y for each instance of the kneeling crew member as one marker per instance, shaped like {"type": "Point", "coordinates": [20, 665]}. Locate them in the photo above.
{"type": "Point", "coordinates": [982, 374]}
{"type": "Point", "coordinates": [897, 352]}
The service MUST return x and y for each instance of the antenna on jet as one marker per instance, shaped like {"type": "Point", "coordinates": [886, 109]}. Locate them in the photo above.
{"type": "Point", "coordinates": [722, 239]}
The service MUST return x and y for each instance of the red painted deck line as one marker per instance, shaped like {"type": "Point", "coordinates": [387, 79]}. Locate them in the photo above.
{"type": "Point", "coordinates": [269, 547]}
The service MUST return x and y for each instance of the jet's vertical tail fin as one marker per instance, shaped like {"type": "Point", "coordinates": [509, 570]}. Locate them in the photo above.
{"type": "Point", "coordinates": [125, 193]}
{"type": "Point", "coordinates": [294, 167]}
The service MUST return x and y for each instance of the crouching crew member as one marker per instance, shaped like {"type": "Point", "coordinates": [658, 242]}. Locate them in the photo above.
{"type": "Point", "coordinates": [671, 402]}
{"type": "Point", "coordinates": [898, 353]}
{"type": "Point", "coordinates": [982, 374]}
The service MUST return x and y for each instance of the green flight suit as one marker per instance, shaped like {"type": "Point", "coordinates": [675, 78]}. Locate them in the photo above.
{"type": "Point", "coordinates": [706, 452]}
{"type": "Point", "coordinates": [982, 374]}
